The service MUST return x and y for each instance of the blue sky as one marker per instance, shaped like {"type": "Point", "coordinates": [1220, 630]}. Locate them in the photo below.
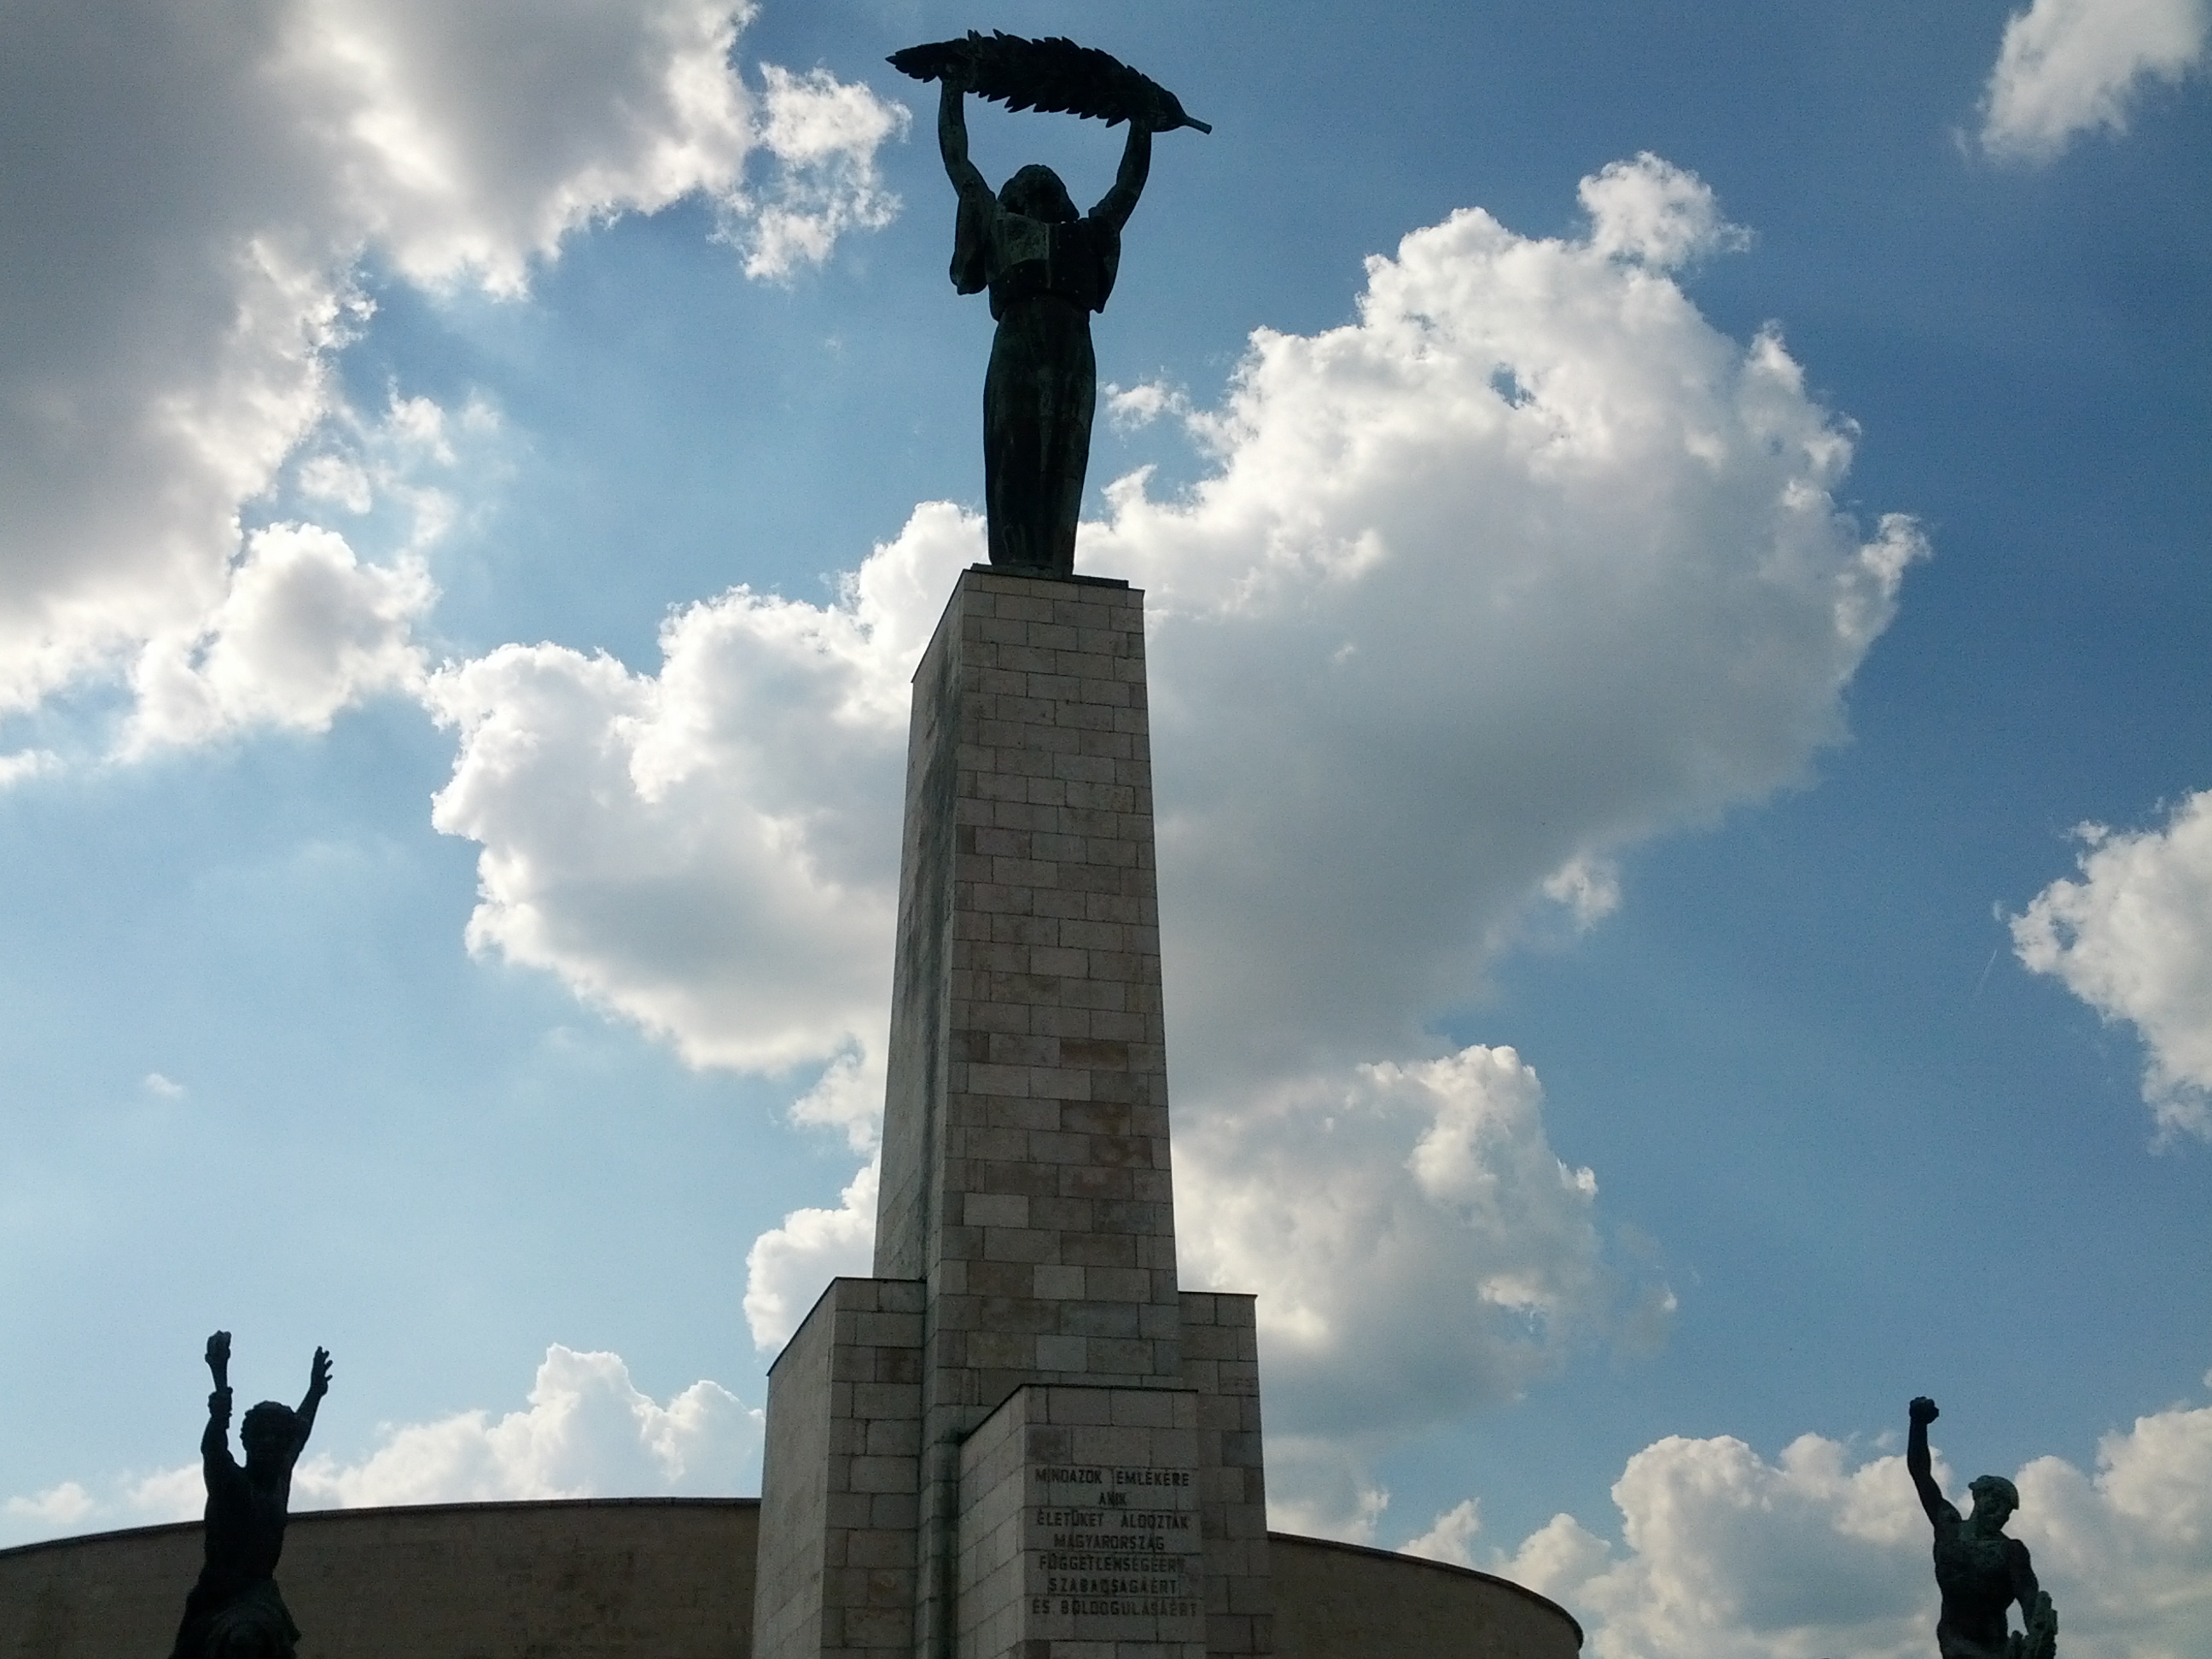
{"type": "Point", "coordinates": [1661, 530]}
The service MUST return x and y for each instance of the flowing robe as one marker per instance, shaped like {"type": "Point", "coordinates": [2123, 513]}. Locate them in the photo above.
{"type": "Point", "coordinates": [1045, 278]}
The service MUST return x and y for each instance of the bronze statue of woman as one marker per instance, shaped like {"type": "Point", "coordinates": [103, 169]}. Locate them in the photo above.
{"type": "Point", "coordinates": [1048, 268]}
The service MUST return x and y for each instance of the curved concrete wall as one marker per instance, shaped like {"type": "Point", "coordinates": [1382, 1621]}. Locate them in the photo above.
{"type": "Point", "coordinates": [672, 1579]}
{"type": "Point", "coordinates": [650, 1579]}
{"type": "Point", "coordinates": [1340, 1601]}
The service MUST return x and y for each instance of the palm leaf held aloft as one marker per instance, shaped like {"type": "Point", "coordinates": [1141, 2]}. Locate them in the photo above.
{"type": "Point", "coordinates": [1054, 75]}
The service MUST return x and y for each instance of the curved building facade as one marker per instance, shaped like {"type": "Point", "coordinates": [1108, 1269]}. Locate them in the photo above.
{"type": "Point", "coordinates": [651, 1578]}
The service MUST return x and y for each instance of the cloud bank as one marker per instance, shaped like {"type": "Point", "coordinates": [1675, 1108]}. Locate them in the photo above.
{"type": "Point", "coordinates": [1480, 1263]}
{"type": "Point", "coordinates": [2133, 939]}
{"type": "Point", "coordinates": [181, 224]}
{"type": "Point", "coordinates": [2067, 67]}
{"type": "Point", "coordinates": [1729, 1556]}
{"type": "Point", "coordinates": [788, 1267]}
{"type": "Point", "coordinates": [1523, 566]}
{"type": "Point", "coordinates": [587, 1431]}
{"type": "Point", "coordinates": [712, 851]}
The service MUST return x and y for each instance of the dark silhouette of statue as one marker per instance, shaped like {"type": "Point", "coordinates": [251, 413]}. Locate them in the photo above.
{"type": "Point", "coordinates": [234, 1611]}
{"type": "Point", "coordinates": [1979, 1570]}
{"type": "Point", "coordinates": [1047, 269]}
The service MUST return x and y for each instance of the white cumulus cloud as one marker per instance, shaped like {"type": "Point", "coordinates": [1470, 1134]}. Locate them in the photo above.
{"type": "Point", "coordinates": [1652, 211]}
{"type": "Point", "coordinates": [788, 1267]}
{"type": "Point", "coordinates": [1133, 408]}
{"type": "Point", "coordinates": [1320, 1486]}
{"type": "Point", "coordinates": [1438, 1254]}
{"type": "Point", "coordinates": [1730, 1556]}
{"type": "Point", "coordinates": [181, 219]}
{"type": "Point", "coordinates": [58, 1508]}
{"type": "Point", "coordinates": [587, 1430]}
{"type": "Point", "coordinates": [825, 133]}
{"type": "Point", "coordinates": [2133, 939]}
{"type": "Point", "coordinates": [711, 851]}
{"type": "Point", "coordinates": [2067, 67]}
{"type": "Point", "coordinates": [2126, 1550]}
{"type": "Point", "coordinates": [1523, 565]}
{"type": "Point", "coordinates": [1450, 1536]}
{"type": "Point", "coordinates": [26, 763]}
{"type": "Point", "coordinates": [178, 1494]}
{"type": "Point", "coordinates": [305, 630]}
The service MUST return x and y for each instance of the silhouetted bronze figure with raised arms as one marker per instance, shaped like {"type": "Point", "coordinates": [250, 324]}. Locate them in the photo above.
{"type": "Point", "coordinates": [1046, 268]}
{"type": "Point", "coordinates": [234, 1611]}
{"type": "Point", "coordinates": [1979, 1570]}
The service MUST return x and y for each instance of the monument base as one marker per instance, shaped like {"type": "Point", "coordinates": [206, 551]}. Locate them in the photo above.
{"type": "Point", "coordinates": [838, 1558]}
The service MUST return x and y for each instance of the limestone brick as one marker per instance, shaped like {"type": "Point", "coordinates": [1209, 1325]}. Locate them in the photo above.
{"type": "Point", "coordinates": [840, 1474]}
{"type": "Point", "coordinates": [1221, 1367]}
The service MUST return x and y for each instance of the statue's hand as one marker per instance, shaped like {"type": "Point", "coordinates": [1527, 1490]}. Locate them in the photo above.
{"type": "Point", "coordinates": [218, 1358]}
{"type": "Point", "coordinates": [1923, 1410]}
{"type": "Point", "coordinates": [319, 1376]}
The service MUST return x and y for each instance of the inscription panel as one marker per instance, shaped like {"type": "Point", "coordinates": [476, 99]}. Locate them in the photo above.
{"type": "Point", "coordinates": [1108, 1543]}
{"type": "Point", "coordinates": [1082, 1528]}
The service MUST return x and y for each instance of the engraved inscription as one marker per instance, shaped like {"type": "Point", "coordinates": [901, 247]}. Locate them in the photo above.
{"type": "Point", "coordinates": [1112, 1541]}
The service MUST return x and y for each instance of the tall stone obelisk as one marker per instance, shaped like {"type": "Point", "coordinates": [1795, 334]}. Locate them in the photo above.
{"type": "Point", "coordinates": [1021, 1440]}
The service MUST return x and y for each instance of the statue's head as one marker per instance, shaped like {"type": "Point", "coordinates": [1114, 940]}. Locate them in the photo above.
{"type": "Point", "coordinates": [268, 1431]}
{"type": "Point", "coordinates": [1036, 192]}
{"type": "Point", "coordinates": [1995, 1498]}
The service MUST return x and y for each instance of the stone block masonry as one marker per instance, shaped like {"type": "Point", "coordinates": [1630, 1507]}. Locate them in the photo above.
{"type": "Point", "coordinates": [1026, 1187]}
{"type": "Point", "coordinates": [836, 1574]}
{"type": "Point", "coordinates": [1026, 1174]}
{"type": "Point", "coordinates": [1025, 1162]}
{"type": "Point", "coordinates": [1221, 1367]}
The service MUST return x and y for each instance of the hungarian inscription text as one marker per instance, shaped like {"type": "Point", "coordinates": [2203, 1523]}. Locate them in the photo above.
{"type": "Point", "coordinates": [1119, 1542]}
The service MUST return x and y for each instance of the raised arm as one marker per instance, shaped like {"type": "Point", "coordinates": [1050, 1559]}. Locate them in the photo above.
{"type": "Point", "coordinates": [952, 142]}
{"type": "Point", "coordinates": [1923, 1412]}
{"type": "Point", "coordinates": [1115, 206]}
{"type": "Point", "coordinates": [319, 1384]}
{"type": "Point", "coordinates": [215, 1439]}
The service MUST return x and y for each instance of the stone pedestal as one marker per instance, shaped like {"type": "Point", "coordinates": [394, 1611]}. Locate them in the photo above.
{"type": "Point", "coordinates": [1026, 1190]}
